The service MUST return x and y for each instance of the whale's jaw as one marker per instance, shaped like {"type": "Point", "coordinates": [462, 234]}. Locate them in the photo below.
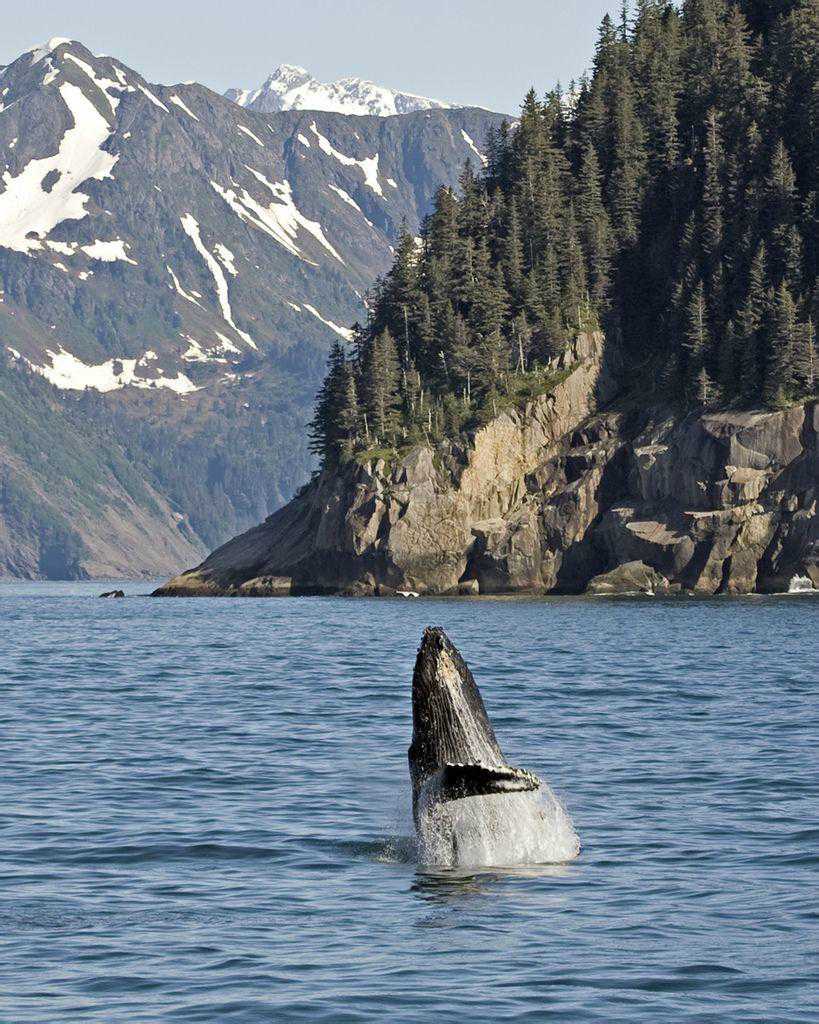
{"type": "Point", "coordinates": [454, 751]}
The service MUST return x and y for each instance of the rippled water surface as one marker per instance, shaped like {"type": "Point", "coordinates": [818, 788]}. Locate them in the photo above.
{"type": "Point", "coordinates": [204, 812]}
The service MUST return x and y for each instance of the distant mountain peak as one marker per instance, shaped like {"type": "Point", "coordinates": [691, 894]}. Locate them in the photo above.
{"type": "Point", "coordinates": [44, 49]}
{"type": "Point", "coordinates": [291, 87]}
{"type": "Point", "coordinates": [285, 71]}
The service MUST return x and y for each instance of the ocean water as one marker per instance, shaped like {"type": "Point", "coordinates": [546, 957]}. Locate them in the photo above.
{"type": "Point", "coordinates": [204, 812]}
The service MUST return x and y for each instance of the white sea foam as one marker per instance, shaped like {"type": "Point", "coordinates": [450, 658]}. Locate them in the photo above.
{"type": "Point", "coordinates": [500, 829]}
{"type": "Point", "coordinates": [801, 585]}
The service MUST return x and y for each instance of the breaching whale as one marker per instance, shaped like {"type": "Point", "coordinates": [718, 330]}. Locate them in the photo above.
{"type": "Point", "coordinates": [469, 805]}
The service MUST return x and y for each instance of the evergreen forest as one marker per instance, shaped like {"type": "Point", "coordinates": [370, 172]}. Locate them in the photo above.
{"type": "Point", "coordinates": [668, 199]}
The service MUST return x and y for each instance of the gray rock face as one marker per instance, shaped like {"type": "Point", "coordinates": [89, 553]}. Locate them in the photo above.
{"type": "Point", "coordinates": [552, 499]}
{"type": "Point", "coordinates": [173, 269]}
{"type": "Point", "coordinates": [627, 579]}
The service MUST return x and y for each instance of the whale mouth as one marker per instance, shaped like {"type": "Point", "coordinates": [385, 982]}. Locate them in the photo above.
{"type": "Point", "coordinates": [458, 781]}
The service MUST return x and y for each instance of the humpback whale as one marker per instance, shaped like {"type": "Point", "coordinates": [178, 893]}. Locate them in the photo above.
{"type": "Point", "coordinates": [470, 806]}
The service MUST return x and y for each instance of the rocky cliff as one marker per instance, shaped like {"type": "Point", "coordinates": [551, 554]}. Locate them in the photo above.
{"type": "Point", "coordinates": [576, 492]}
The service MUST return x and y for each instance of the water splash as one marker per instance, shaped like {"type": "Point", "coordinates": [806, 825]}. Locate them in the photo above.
{"type": "Point", "coordinates": [801, 585]}
{"type": "Point", "coordinates": [500, 829]}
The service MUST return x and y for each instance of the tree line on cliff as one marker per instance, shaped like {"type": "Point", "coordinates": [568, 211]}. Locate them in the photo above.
{"type": "Point", "coordinates": [669, 198]}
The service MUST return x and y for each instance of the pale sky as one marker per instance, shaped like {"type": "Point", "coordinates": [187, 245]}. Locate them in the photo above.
{"type": "Point", "coordinates": [481, 52]}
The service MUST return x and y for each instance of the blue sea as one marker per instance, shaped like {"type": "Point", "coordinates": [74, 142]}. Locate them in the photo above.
{"type": "Point", "coordinates": [204, 812]}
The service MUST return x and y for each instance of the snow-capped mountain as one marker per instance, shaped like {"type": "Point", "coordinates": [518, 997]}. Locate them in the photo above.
{"type": "Point", "coordinates": [294, 88]}
{"type": "Point", "coordinates": [173, 269]}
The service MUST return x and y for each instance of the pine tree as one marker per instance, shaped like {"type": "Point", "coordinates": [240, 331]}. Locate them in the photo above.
{"type": "Point", "coordinates": [492, 364]}
{"type": "Point", "coordinates": [706, 390]}
{"type": "Point", "coordinates": [780, 210]}
{"type": "Point", "coordinates": [380, 378]}
{"type": "Point", "coordinates": [782, 339]}
{"type": "Point", "coordinates": [712, 216]}
{"type": "Point", "coordinates": [595, 227]}
{"type": "Point", "coordinates": [513, 251]}
{"type": "Point", "coordinates": [401, 292]}
{"type": "Point", "coordinates": [628, 162]}
{"type": "Point", "coordinates": [324, 430]}
{"type": "Point", "coordinates": [522, 343]}
{"type": "Point", "coordinates": [792, 259]}
{"type": "Point", "coordinates": [703, 22]}
{"type": "Point", "coordinates": [749, 325]}
{"type": "Point", "coordinates": [729, 376]}
{"type": "Point", "coordinates": [573, 270]}
{"type": "Point", "coordinates": [805, 360]}
{"type": "Point", "coordinates": [743, 96]}
{"type": "Point", "coordinates": [697, 336]}
{"type": "Point", "coordinates": [656, 55]}
{"type": "Point", "coordinates": [463, 358]}
{"type": "Point", "coordinates": [348, 415]}
{"type": "Point", "coordinates": [442, 226]}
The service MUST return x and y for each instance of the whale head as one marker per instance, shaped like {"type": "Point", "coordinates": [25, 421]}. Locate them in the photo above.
{"type": "Point", "coordinates": [454, 750]}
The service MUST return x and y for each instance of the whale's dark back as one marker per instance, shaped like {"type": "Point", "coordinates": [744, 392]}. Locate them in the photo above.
{"type": "Point", "coordinates": [450, 723]}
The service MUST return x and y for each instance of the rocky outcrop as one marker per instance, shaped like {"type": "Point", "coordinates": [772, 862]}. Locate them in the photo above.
{"type": "Point", "coordinates": [569, 492]}
{"type": "Point", "coordinates": [631, 578]}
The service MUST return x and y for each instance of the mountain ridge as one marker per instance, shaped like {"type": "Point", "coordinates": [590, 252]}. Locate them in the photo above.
{"type": "Point", "coordinates": [290, 87]}
{"type": "Point", "coordinates": [173, 269]}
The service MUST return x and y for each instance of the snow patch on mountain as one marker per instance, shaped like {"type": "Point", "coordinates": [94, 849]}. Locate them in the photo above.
{"type": "Point", "coordinates": [345, 332]}
{"type": "Point", "coordinates": [227, 258]}
{"type": "Point", "coordinates": [183, 106]}
{"type": "Point", "coordinates": [68, 373]}
{"type": "Point", "coordinates": [27, 211]}
{"type": "Point", "coordinates": [293, 88]}
{"type": "Point", "coordinates": [250, 134]}
{"type": "Point", "coordinates": [290, 217]}
{"type": "Point", "coordinates": [64, 248]}
{"type": "Point", "coordinates": [108, 252]}
{"type": "Point", "coordinates": [103, 84]}
{"type": "Point", "coordinates": [369, 165]}
{"type": "Point", "coordinates": [153, 98]}
{"type": "Point", "coordinates": [197, 353]}
{"type": "Point", "coordinates": [468, 140]}
{"type": "Point", "coordinates": [191, 228]}
{"type": "Point", "coordinates": [181, 291]}
{"type": "Point", "coordinates": [280, 220]}
{"type": "Point", "coordinates": [46, 49]}
{"type": "Point", "coordinates": [345, 196]}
